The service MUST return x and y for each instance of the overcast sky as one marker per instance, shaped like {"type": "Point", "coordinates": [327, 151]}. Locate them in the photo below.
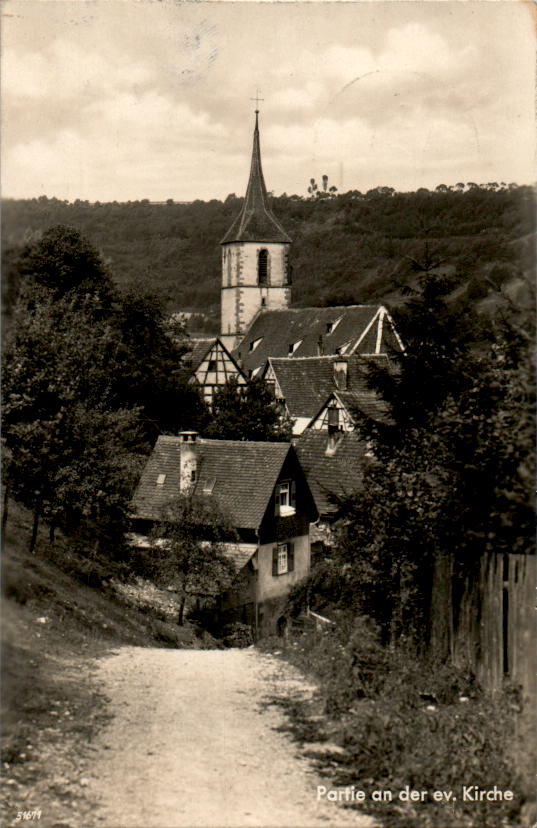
{"type": "Point", "coordinates": [131, 99]}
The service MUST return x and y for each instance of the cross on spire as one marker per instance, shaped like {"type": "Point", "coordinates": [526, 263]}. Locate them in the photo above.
{"type": "Point", "coordinates": [257, 99]}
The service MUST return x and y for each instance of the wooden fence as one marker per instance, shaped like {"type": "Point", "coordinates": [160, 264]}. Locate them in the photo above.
{"type": "Point", "coordinates": [485, 620]}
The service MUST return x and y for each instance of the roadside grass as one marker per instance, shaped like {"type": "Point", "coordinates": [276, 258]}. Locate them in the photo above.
{"type": "Point", "coordinates": [61, 610]}
{"type": "Point", "coordinates": [391, 720]}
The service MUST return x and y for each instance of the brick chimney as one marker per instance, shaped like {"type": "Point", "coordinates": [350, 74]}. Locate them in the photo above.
{"type": "Point", "coordinates": [188, 451]}
{"type": "Point", "coordinates": [341, 374]}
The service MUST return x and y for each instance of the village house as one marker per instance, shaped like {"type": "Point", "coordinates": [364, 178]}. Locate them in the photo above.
{"type": "Point", "coordinates": [212, 367]}
{"type": "Point", "coordinates": [309, 332]}
{"type": "Point", "coordinates": [263, 493]}
{"type": "Point", "coordinates": [322, 391]}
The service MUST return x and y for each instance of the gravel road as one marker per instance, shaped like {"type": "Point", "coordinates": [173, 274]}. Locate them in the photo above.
{"type": "Point", "coordinates": [192, 744]}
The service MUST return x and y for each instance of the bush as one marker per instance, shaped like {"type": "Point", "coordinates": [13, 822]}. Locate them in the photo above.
{"type": "Point", "coordinates": [237, 635]}
{"type": "Point", "coordinates": [406, 721]}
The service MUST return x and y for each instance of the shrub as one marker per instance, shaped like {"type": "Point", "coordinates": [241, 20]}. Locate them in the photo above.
{"type": "Point", "coordinates": [237, 635]}
{"type": "Point", "coordinates": [407, 721]}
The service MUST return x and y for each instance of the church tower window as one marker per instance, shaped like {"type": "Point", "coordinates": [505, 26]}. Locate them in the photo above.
{"type": "Point", "coordinates": [262, 268]}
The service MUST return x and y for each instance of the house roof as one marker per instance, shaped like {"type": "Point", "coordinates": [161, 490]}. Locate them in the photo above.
{"type": "Point", "coordinates": [239, 475]}
{"type": "Point", "coordinates": [256, 221]}
{"type": "Point", "coordinates": [368, 402]}
{"type": "Point", "coordinates": [338, 471]}
{"type": "Point", "coordinates": [199, 349]}
{"type": "Point", "coordinates": [345, 329]}
{"type": "Point", "coordinates": [307, 382]}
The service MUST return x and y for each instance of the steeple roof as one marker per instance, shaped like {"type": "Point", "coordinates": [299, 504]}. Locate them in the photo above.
{"type": "Point", "coordinates": [256, 221]}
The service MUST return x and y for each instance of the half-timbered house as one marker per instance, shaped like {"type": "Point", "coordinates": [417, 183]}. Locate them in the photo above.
{"type": "Point", "coordinates": [212, 367]}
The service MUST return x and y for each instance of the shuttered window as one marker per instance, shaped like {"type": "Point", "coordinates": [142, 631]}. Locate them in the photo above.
{"type": "Point", "coordinates": [283, 559]}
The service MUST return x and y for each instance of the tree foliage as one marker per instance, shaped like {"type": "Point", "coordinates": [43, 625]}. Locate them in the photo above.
{"type": "Point", "coordinates": [353, 242]}
{"type": "Point", "coordinates": [70, 443]}
{"type": "Point", "coordinates": [247, 412]}
{"type": "Point", "coordinates": [451, 473]}
{"type": "Point", "coordinates": [90, 377]}
{"type": "Point", "coordinates": [188, 549]}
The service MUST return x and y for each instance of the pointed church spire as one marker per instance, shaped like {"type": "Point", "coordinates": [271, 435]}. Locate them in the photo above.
{"type": "Point", "coordinates": [256, 221]}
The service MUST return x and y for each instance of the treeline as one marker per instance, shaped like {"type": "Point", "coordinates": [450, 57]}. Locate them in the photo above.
{"type": "Point", "coordinates": [351, 247]}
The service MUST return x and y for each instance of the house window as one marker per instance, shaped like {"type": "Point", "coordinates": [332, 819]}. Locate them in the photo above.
{"type": "Point", "coordinates": [212, 365]}
{"type": "Point", "coordinates": [285, 498]}
{"type": "Point", "coordinates": [193, 476]}
{"type": "Point", "coordinates": [262, 267]}
{"type": "Point", "coordinates": [333, 420]}
{"type": "Point", "coordinates": [331, 326]}
{"type": "Point", "coordinates": [283, 559]}
{"type": "Point", "coordinates": [283, 550]}
{"type": "Point", "coordinates": [293, 346]}
{"type": "Point", "coordinates": [253, 344]}
{"type": "Point", "coordinates": [161, 478]}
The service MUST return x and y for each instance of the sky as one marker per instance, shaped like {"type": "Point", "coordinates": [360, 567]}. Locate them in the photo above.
{"type": "Point", "coordinates": [128, 99]}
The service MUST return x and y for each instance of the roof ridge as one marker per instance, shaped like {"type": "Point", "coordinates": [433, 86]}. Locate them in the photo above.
{"type": "Point", "coordinates": [291, 359]}
{"type": "Point", "coordinates": [214, 440]}
{"type": "Point", "coordinates": [320, 308]}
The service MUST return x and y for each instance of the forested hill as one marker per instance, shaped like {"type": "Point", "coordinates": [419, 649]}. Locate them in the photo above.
{"type": "Point", "coordinates": [346, 248]}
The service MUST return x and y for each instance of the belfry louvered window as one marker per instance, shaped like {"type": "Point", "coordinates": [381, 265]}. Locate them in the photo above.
{"type": "Point", "coordinates": [262, 268]}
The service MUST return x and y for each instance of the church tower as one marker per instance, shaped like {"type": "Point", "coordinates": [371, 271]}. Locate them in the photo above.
{"type": "Point", "coordinates": [255, 268]}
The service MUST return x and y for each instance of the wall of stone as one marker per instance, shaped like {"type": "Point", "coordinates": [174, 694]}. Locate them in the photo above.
{"type": "Point", "coordinates": [241, 296]}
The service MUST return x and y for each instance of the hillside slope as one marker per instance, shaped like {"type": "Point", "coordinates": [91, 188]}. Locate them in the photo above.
{"type": "Point", "coordinates": [53, 627]}
{"type": "Point", "coordinates": [352, 248]}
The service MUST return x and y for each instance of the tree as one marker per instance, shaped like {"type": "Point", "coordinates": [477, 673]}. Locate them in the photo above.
{"type": "Point", "coordinates": [90, 378]}
{"type": "Point", "coordinates": [63, 261]}
{"type": "Point", "coordinates": [148, 366]}
{"type": "Point", "coordinates": [450, 474]}
{"type": "Point", "coordinates": [188, 549]}
{"type": "Point", "coordinates": [72, 446]}
{"type": "Point", "coordinates": [312, 189]}
{"type": "Point", "coordinates": [248, 412]}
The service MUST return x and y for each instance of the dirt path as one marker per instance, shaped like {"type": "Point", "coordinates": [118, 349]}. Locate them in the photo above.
{"type": "Point", "coordinates": [191, 744]}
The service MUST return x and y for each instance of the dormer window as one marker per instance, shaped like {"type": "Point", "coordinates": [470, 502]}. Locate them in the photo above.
{"type": "Point", "coordinates": [293, 346]}
{"type": "Point", "coordinates": [285, 498]}
{"type": "Point", "coordinates": [254, 343]}
{"type": "Point", "coordinates": [161, 479]}
{"type": "Point", "coordinates": [262, 268]}
{"type": "Point", "coordinates": [331, 326]}
{"type": "Point", "coordinates": [333, 420]}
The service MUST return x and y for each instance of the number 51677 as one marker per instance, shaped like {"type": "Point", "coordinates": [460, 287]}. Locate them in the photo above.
{"type": "Point", "coordinates": [27, 815]}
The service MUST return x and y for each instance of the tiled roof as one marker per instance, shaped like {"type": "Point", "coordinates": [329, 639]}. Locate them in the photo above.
{"type": "Point", "coordinates": [240, 476]}
{"type": "Point", "coordinates": [306, 383]}
{"type": "Point", "coordinates": [198, 350]}
{"type": "Point", "coordinates": [239, 553]}
{"type": "Point", "coordinates": [256, 221]}
{"type": "Point", "coordinates": [368, 402]}
{"type": "Point", "coordinates": [309, 330]}
{"type": "Point", "coordinates": [339, 472]}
